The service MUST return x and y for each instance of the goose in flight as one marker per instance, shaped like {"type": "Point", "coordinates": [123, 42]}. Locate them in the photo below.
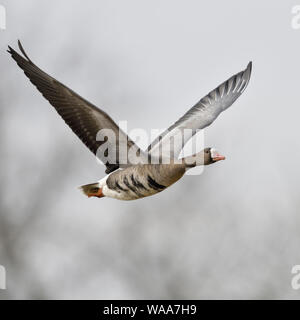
{"type": "Point", "coordinates": [130, 175]}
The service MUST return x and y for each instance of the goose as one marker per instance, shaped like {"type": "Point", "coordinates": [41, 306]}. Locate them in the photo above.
{"type": "Point", "coordinates": [126, 178]}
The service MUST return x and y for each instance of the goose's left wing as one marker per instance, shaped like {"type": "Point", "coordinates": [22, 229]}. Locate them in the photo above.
{"type": "Point", "coordinates": [170, 142]}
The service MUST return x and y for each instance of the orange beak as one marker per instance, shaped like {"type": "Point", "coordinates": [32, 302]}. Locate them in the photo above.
{"type": "Point", "coordinates": [218, 157]}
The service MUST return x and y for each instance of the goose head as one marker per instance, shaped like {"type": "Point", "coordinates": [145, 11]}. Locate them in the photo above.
{"type": "Point", "coordinates": [208, 156]}
{"type": "Point", "coordinates": [205, 157]}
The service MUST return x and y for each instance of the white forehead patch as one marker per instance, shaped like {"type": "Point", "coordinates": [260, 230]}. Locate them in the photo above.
{"type": "Point", "coordinates": [213, 152]}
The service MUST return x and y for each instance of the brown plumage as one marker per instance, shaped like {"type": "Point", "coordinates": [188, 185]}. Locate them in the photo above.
{"type": "Point", "coordinates": [133, 179]}
{"type": "Point", "coordinates": [144, 180]}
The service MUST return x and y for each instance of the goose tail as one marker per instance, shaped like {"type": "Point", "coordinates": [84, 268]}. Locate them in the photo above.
{"type": "Point", "coordinates": [92, 190]}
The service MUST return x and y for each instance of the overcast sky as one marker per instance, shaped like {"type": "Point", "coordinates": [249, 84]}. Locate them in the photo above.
{"type": "Point", "coordinates": [232, 232]}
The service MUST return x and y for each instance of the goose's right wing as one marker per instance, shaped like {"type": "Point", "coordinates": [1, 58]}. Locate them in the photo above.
{"type": "Point", "coordinates": [85, 119]}
{"type": "Point", "coordinates": [170, 142]}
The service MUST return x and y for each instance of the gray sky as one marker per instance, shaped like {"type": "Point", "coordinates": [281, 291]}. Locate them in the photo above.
{"type": "Point", "coordinates": [232, 232]}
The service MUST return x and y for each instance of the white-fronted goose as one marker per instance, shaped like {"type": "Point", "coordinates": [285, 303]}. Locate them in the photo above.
{"type": "Point", "coordinates": [127, 179]}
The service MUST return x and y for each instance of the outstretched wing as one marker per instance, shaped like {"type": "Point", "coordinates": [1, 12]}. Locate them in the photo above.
{"type": "Point", "coordinates": [170, 142]}
{"type": "Point", "coordinates": [85, 119]}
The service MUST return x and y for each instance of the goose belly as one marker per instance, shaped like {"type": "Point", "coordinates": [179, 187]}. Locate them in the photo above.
{"type": "Point", "coordinates": [131, 186]}
{"type": "Point", "coordinates": [138, 182]}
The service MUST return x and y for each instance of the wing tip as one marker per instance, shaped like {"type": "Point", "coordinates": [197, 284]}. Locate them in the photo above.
{"type": "Point", "coordinates": [15, 54]}
{"type": "Point", "coordinates": [246, 75]}
{"type": "Point", "coordinates": [10, 50]}
{"type": "Point", "coordinates": [248, 70]}
{"type": "Point", "coordinates": [23, 51]}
